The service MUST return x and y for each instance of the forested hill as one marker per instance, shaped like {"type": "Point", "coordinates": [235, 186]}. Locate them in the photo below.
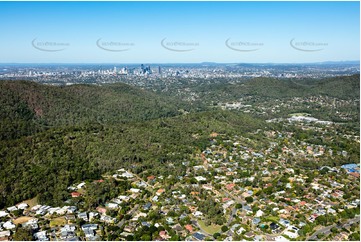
{"type": "Point", "coordinates": [46, 163]}
{"type": "Point", "coordinates": [343, 87]}
{"type": "Point", "coordinates": [52, 137]}
{"type": "Point", "coordinates": [28, 107]}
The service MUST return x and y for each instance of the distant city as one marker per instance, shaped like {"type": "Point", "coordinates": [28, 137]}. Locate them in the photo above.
{"type": "Point", "coordinates": [141, 74]}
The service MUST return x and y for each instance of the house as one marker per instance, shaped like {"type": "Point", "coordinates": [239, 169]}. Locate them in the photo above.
{"type": "Point", "coordinates": [150, 178]}
{"type": "Point", "coordinates": [281, 238]}
{"type": "Point", "coordinates": [256, 221]}
{"type": "Point", "coordinates": [71, 209]}
{"type": "Point", "coordinates": [197, 214]}
{"type": "Point", "coordinates": [41, 236]}
{"type": "Point", "coordinates": [80, 185]}
{"type": "Point", "coordinates": [75, 194]}
{"type": "Point", "coordinates": [200, 178]}
{"type": "Point", "coordinates": [189, 228]}
{"type": "Point", "coordinates": [89, 232]}
{"type": "Point", "coordinates": [83, 216]}
{"type": "Point", "coordinates": [207, 187]}
{"type": "Point", "coordinates": [249, 235]}
{"type": "Point", "coordinates": [240, 231]}
{"type": "Point", "coordinates": [101, 210]}
{"type": "Point", "coordinates": [36, 207]}
{"type": "Point", "coordinates": [9, 225]}
{"type": "Point", "coordinates": [4, 235]}
{"type": "Point", "coordinates": [3, 214]}
{"type": "Point", "coordinates": [147, 206]}
{"type": "Point", "coordinates": [67, 232]}
{"type": "Point", "coordinates": [93, 238]}
{"type": "Point", "coordinates": [128, 229]}
{"type": "Point", "coordinates": [290, 234]}
{"type": "Point", "coordinates": [146, 224]}
{"type": "Point", "coordinates": [284, 222]}
{"type": "Point", "coordinates": [274, 226]}
{"type": "Point", "coordinates": [159, 192]}
{"type": "Point", "coordinates": [138, 215]}
{"type": "Point", "coordinates": [12, 209]}
{"type": "Point", "coordinates": [68, 227]}
{"type": "Point", "coordinates": [93, 215]}
{"type": "Point", "coordinates": [124, 198]}
{"type": "Point", "coordinates": [247, 208]}
{"type": "Point", "coordinates": [112, 205]}
{"type": "Point", "coordinates": [230, 186]}
{"type": "Point", "coordinates": [126, 175]}
{"type": "Point", "coordinates": [134, 190]}
{"type": "Point", "coordinates": [89, 227]}
{"type": "Point", "coordinates": [31, 224]}
{"type": "Point", "coordinates": [53, 210]}
{"type": "Point", "coordinates": [169, 220]}
{"type": "Point", "coordinates": [199, 236]}
{"type": "Point", "coordinates": [164, 235]}
{"type": "Point", "coordinates": [259, 213]}
{"type": "Point", "coordinates": [142, 184]}
{"type": "Point", "coordinates": [22, 206]}
{"type": "Point", "coordinates": [107, 219]}
{"type": "Point", "coordinates": [69, 217]}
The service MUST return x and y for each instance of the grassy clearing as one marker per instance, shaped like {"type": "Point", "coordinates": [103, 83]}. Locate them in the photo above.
{"type": "Point", "coordinates": [57, 222]}
{"type": "Point", "coordinates": [22, 220]}
{"type": "Point", "coordinates": [299, 114]}
{"type": "Point", "coordinates": [272, 219]}
{"type": "Point", "coordinates": [32, 202]}
{"type": "Point", "coordinates": [209, 229]}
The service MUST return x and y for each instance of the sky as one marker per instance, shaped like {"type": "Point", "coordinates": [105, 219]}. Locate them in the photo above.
{"type": "Point", "coordinates": [179, 32]}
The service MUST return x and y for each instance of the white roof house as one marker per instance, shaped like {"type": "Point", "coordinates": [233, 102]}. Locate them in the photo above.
{"type": "Point", "coordinates": [9, 225]}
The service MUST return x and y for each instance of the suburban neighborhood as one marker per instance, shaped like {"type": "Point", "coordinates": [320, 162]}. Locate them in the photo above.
{"type": "Point", "coordinates": [231, 190]}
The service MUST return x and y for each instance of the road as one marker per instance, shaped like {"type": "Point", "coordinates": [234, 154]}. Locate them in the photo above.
{"type": "Point", "coordinates": [326, 230]}
{"type": "Point", "coordinates": [120, 224]}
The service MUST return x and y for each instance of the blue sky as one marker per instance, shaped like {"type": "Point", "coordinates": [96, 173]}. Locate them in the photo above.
{"type": "Point", "coordinates": [331, 29]}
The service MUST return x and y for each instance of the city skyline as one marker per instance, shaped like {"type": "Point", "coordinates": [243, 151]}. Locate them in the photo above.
{"type": "Point", "coordinates": [158, 32]}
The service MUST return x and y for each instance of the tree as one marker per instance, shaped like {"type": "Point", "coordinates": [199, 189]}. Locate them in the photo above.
{"type": "Point", "coordinates": [129, 238]}
{"type": "Point", "coordinates": [175, 238]}
{"type": "Point", "coordinates": [146, 237]}
{"type": "Point", "coordinates": [239, 206]}
{"type": "Point", "coordinates": [216, 235]}
{"type": "Point", "coordinates": [355, 236]}
{"type": "Point", "coordinates": [319, 236]}
{"type": "Point", "coordinates": [249, 199]}
{"type": "Point", "coordinates": [23, 234]}
{"type": "Point", "coordinates": [224, 228]}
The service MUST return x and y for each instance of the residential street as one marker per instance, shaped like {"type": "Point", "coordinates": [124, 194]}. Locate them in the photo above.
{"type": "Point", "coordinates": [327, 229]}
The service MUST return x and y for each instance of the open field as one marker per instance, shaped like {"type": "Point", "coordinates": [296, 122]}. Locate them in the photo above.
{"type": "Point", "coordinates": [32, 202]}
{"type": "Point", "coordinates": [21, 220]}
{"type": "Point", "coordinates": [57, 222]}
{"type": "Point", "coordinates": [209, 229]}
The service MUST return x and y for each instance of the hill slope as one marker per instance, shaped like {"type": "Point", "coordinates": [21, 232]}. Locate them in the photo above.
{"type": "Point", "coordinates": [28, 107]}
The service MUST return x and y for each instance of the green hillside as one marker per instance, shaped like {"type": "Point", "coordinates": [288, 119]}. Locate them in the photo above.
{"type": "Point", "coordinates": [27, 107]}
{"type": "Point", "coordinates": [48, 162]}
{"type": "Point", "coordinates": [265, 88]}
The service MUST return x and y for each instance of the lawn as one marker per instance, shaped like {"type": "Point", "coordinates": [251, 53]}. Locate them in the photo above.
{"type": "Point", "coordinates": [209, 229]}
{"type": "Point", "coordinates": [32, 202]}
{"type": "Point", "coordinates": [299, 114]}
{"type": "Point", "coordinates": [272, 219]}
{"type": "Point", "coordinates": [22, 220]}
{"type": "Point", "coordinates": [57, 222]}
